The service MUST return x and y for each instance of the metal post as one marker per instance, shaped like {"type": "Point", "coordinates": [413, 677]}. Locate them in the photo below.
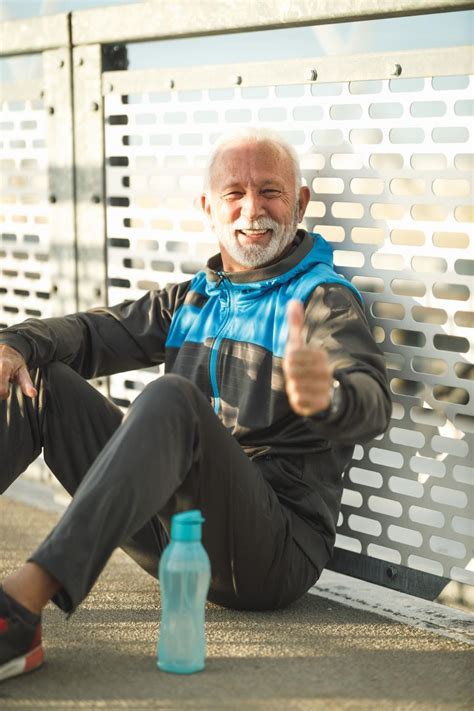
{"type": "Point", "coordinates": [58, 103]}
{"type": "Point", "coordinates": [89, 176]}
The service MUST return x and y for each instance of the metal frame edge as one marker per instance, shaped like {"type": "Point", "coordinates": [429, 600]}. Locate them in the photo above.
{"type": "Point", "coordinates": [391, 65]}
{"type": "Point", "coordinates": [35, 34]}
{"type": "Point", "coordinates": [389, 575]}
{"type": "Point", "coordinates": [185, 18]}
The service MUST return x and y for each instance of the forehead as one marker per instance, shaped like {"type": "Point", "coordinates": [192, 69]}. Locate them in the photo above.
{"type": "Point", "coordinates": [252, 161]}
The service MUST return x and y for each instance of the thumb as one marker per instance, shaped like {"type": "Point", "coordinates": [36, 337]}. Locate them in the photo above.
{"type": "Point", "coordinates": [24, 381]}
{"type": "Point", "coordinates": [295, 315]}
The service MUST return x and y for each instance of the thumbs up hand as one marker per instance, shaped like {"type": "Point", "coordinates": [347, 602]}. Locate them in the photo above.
{"type": "Point", "coordinates": [308, 374]}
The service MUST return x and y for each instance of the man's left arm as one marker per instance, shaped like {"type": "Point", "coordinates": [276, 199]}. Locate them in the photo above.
{"type": "Point", "coordinates": [334, 371]}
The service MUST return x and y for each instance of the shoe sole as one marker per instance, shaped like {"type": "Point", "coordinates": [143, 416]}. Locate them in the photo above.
{"type": "Point", "coordinates": [22, 665]}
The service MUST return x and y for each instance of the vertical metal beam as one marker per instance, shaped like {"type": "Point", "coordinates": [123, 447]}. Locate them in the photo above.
{"type": "Point", "coordinates": [58, 103]}
{"type": "Point", "coordinates": [89, 176]}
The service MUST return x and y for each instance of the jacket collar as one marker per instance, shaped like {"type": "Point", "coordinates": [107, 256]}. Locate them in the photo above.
{"type": "Point", "coordinates": [302, 245]}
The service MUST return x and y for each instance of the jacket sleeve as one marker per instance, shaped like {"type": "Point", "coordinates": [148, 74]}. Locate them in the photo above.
{"type": "Point", "coordinates": [101, 341]}
{"type": "Point", "coordinates": [336, 322]}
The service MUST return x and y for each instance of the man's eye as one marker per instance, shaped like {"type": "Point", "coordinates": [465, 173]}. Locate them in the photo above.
{"type": "Point", "coordinates": [234, 195]}
{"type": "Point", "coordinates": [271, 192]}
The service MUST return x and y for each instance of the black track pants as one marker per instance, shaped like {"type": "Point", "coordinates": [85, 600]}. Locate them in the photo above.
{"type": "Point", "coordinates": [128, 475]}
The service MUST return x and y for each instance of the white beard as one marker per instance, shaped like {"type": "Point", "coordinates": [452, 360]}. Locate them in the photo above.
{"type": "Point", "coordinates": [257, 255]}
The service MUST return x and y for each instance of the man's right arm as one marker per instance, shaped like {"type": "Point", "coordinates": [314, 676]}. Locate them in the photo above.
{"type": "Point", "coordinates": [98, 342]}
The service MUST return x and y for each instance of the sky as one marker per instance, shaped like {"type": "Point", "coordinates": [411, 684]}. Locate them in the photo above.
{"type": "Point", "coordinates": [15, 9]}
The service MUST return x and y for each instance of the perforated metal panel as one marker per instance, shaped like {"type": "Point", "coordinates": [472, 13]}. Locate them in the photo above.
{"type": "Point", "coordinates": [388, 162]}
{"type": "Point", "coordinates": [37, 260]}
{"type": "Point", "coordinates": [25, 286]}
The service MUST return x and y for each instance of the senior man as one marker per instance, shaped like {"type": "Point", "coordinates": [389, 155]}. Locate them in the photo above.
{"type": "Point", "coordinates": [272, 376]}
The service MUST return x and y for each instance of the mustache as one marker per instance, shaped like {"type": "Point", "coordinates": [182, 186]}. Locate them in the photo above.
{"type": "Point", "coordinates": [262, 223]}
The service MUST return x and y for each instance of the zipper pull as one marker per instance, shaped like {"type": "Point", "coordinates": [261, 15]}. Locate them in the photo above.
{"type": "Point", "coordinates": [221, 277]}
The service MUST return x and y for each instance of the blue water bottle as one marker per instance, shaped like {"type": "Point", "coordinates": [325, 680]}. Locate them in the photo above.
{"type": "Point", "coordinates": [184, 574]}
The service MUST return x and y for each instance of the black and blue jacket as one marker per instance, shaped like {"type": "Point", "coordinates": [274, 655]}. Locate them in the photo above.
{"type": "Point", "coordinates": [227, 333]}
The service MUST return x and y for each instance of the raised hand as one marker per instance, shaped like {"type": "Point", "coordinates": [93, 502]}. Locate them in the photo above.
{"type": "Point", "coordinates": [308, 374]}
{"type": "Point", "coordinates": [13, 369]}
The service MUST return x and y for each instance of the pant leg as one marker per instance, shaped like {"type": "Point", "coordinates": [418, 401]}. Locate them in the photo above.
{"type": "Point", "coordinates": [69, 419]}
{"type": "Point", "coordinates": [20, 437]}
{"type": "Point", "coordinates": [171, 453]}
{"type": "Point", "coordinates": [72, 422]}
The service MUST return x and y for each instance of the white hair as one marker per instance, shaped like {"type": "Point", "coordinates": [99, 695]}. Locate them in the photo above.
{"type": "Point", "coordinates": [257, 135]}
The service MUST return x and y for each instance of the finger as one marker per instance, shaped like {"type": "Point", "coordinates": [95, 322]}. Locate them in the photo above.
{"type": "Point", "coordinates": [304, 405]}
{"type": "Point", "coordinates": [307, 364]}
{"type": "Point", "coordinates": [309, 389]}
{"type": "Point", "coordinates": [309, 357]}
{"type": "Point", "coordinates": [5, 373]}
{"type": "Point", "coordinates": [24, 381]}
{"type": "Point", "coordinates": [295, 316]}
{"type": "Point", "coordinates": [307, 392]}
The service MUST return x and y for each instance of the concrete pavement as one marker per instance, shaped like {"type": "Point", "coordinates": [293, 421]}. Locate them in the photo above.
{"type": "Point", "coordinates": [315, 655]}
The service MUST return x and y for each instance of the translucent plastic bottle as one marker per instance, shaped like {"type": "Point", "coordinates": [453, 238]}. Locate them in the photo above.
{"type": "Point", "coordinates": [184, 574]}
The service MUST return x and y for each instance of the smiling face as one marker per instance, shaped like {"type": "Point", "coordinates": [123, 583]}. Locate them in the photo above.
{"type": "Point", "coordinates": [252, 204]}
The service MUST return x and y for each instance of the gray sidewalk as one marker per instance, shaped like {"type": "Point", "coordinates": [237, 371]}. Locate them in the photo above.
{"type": "Point", "coordinates": [317, 654]}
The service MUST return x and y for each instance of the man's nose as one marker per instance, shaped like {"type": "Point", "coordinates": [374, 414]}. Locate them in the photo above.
{"type": "Point", "coordinates": [251, 206]}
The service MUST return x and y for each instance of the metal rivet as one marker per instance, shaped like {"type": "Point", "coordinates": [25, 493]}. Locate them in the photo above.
{"type": "Point", "coordinates": [50, 110]}
{"type": "Point", "coordinates": [54, 288]}
{"type": "Point", "coordinates": [238, 80]}
{"type": "Point", "coordinates": [397, 70]}
{"type": "Point", "coordinates": [98, 291]}
{"type": "Point", "coordinates": [171, 83]}
{"type": "Point", "coordinates": [94, 106]}
{"type": "Point", "coordinates": [80, 62]}
{"type": "Point", "coordinates": [95, 199]}
{"type": "Point", "coordinates": [61, 63]}
{"type": "Point", "coordinates": [41, 94]}
{"type": "Point", "coordinates": [52, 198]}
{"type": "Point", "coordinates": [110, 88]}
{"type": "Point", "coordinates": [392, 573]}
{"type": "Point", "coordinates": [312, 75]}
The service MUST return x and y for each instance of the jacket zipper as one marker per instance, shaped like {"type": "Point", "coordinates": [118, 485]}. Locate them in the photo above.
{"type": "Point", "coordinates": [217, 342]}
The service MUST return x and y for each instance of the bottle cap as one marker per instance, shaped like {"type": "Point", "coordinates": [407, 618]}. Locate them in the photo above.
{"type": "Point", "coordinates": [186, 526]}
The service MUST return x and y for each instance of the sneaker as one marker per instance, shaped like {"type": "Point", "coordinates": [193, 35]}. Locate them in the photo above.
{"type": "Point", "coordinates": [21, 650]}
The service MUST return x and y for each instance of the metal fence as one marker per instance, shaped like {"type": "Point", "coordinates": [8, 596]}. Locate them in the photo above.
{"type": "Point", "coordinates": [101, 175]}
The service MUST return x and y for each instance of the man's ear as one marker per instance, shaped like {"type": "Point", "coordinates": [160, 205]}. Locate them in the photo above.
{"type": "Point", "coordinates": [305, 195]}
{"type": "Point", "coordinates": [206, 205]}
